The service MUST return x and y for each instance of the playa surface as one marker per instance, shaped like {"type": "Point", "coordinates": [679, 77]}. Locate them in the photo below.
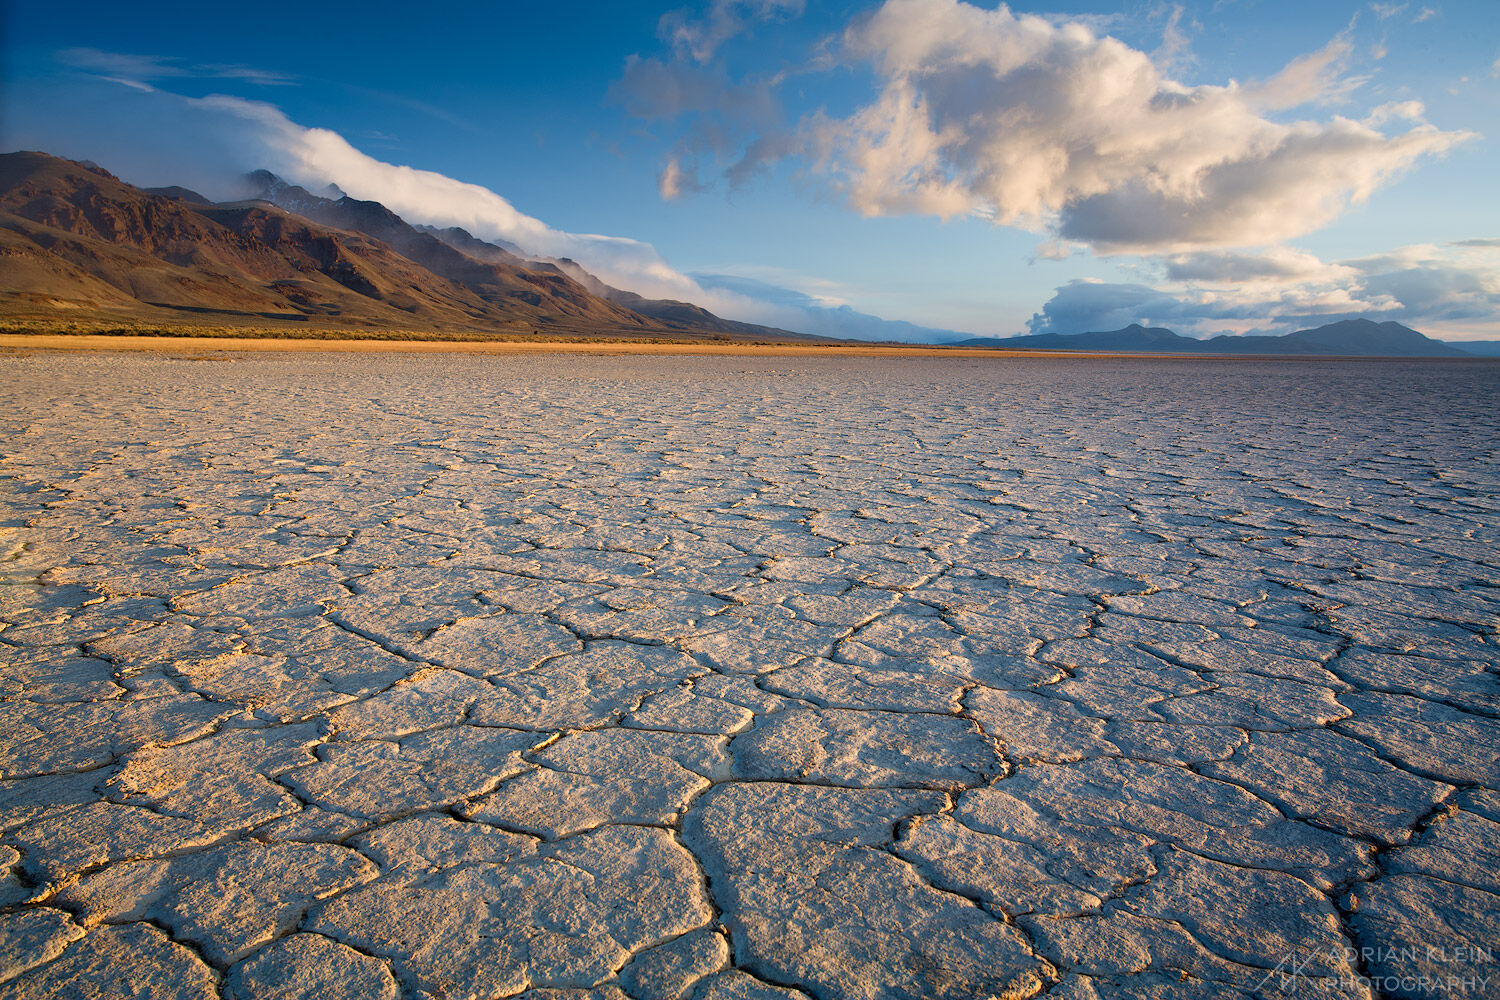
{"type": "Point", "coordinates": [456, 676]}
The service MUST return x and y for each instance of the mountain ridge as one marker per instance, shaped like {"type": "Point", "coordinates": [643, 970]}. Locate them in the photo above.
{"type": "Point", "coordinates": [420, 243]}
{"type": "Point", "coordinates": [81, 244]}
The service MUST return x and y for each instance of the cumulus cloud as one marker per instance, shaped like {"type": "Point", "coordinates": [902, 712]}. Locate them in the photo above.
{"type": "Point", "coordinates": [1087, 305]}
{"type": "Point", "coordinates": [1448, 290]}
{"type": "Point", "coordinates": [1447, 283]}
{"type": "Point", "coordinates": [1043, 125]}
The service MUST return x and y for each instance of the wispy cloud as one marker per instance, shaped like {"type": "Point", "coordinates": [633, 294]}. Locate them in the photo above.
{"type": "Point", "coordinates": [723, 116]}
{"type": "Point", "coordinates": [1175, 50]}
{"type": "Point", "coordinates": [409, 103]}
{"type": "Point", "coordinates": [125, 67]}
{"type": "Point", "coordinates": [675, 179]}
{"type": "Point", "coordinates": [699, 37]}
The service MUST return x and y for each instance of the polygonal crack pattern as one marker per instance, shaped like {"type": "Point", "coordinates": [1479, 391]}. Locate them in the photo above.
{"type": "Point", "coordinates": [439, 676]}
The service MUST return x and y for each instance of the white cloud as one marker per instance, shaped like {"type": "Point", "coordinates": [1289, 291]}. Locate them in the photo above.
{"type": "Point", "coordinates": [1047, 126]}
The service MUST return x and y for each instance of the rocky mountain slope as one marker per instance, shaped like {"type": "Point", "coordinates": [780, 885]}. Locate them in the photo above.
{"type": "Point", "coordinates": [79, 243]}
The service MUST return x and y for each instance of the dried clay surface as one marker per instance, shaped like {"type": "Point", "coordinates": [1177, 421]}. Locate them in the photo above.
{"type": "Point", "coordinates": [343, 676]}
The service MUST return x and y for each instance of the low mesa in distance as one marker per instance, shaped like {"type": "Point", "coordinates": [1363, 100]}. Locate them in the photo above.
{"type": "Point", "coordinates": [86, 252]}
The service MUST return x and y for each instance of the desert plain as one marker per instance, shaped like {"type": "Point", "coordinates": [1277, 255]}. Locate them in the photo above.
{"type": "Point", "coordinates": [747, 676]}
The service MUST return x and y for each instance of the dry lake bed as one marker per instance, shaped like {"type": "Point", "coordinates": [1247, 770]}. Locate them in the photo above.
{"type": "Point", "coordinates": [351, 676]}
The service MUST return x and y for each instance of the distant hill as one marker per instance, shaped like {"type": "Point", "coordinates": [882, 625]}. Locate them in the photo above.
{"type": "Point", "coordinates": [1361, 337]}
{"type": "Point", "coordinates": [80, 244]}
{"type": "Point", "coordinates": [1481, 348]}
{"type": "Point", "coordinates": [1131, 338]}
{"type": "Point", "coordinates": [1354, 337]}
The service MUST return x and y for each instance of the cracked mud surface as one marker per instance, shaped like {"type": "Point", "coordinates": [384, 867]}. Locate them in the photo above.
{"type": "Point", "coordinates": [446, 677]}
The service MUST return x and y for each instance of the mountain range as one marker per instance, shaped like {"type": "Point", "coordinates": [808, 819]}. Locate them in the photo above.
{"type": "Point", "coordinates": [79, 243]}
{"type": "Point", "coordinates": [1356, 337]}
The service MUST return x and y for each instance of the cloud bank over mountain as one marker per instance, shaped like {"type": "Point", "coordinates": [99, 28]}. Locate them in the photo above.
{"type": "Point", "coordinates": [1453, 287]}
{"type": "Point", "coordinates": [824, 315]}
{"type": "Point", "coordinates": [153, 136]}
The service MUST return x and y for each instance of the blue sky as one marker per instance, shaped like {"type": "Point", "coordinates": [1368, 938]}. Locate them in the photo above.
{"type": "Point", "coordinates": [1235, 166]}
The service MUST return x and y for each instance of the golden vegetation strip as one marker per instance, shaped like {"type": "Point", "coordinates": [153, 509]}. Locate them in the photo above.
{"type": "Point", "coordinates": [102, 336]}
